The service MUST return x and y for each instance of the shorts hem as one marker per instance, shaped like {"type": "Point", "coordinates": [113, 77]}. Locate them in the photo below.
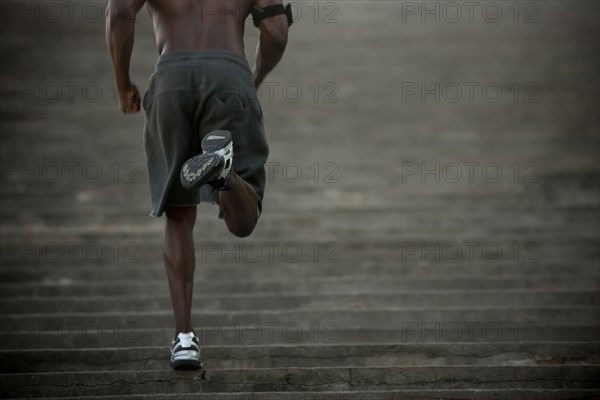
{"type": "Point", "coordinates": [159, 213]}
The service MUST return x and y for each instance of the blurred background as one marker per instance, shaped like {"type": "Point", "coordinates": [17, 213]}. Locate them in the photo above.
{"type": "Point", "coordinates": [430, 220]}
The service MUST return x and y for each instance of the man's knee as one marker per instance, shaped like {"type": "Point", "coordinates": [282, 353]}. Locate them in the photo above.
{"type": "Point", "coordinates": [242, 229]}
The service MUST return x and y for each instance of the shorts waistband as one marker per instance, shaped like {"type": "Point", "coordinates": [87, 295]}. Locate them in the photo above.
{"type": "Point", "coordinates": [177, 58]}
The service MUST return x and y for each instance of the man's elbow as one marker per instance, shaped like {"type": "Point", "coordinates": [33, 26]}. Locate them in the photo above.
{"type": "Point", "coordinates": [276, 34]}
{"type": "Point", "coordinates": [282, 40]}
{"type": "Point", "coordinates": [278, 40]}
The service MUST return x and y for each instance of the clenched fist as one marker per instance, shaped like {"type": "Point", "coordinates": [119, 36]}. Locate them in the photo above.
{"type": "Point", "coordinates": [130, 100]}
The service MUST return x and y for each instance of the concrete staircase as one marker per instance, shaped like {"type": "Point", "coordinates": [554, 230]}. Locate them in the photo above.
{"type": "Point", "coordinates": [347, 330]}
{"type": "Point", "coordinates": [349, 289]}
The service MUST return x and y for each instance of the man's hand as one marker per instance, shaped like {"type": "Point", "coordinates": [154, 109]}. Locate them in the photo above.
{"type": "Point", "coordinates": [130, 100]}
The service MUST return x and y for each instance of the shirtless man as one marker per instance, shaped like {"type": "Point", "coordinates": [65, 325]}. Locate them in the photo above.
{"type": "Point", "coordinates": [204, 136]}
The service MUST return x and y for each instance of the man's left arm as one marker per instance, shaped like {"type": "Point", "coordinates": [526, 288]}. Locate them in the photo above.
{"type": "Point", "coordinates": [120, 33]}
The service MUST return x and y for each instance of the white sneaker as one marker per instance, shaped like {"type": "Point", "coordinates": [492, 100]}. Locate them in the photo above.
{"type": "Point", "coordinates": [185, 352]}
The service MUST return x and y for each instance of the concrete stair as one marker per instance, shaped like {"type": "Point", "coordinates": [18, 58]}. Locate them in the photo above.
{"type": "Point", "coordinates": [302, 380]}
{"type": "Point", "coordinates": [308, 356]}
{"type": "Point", "coordinates": [305, 331]}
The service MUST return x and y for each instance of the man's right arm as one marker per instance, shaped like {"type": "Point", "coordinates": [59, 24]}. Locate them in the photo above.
{"type": "Point", "coordinates": [272, 42]}
{"type": "Point", "coordinates": [120, 31]}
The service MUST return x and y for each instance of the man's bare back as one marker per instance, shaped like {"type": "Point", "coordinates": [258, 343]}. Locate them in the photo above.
{"type": "Point", "coordinates": [199, 25]}
{"type": "Point", "coordinates": [191, 26]}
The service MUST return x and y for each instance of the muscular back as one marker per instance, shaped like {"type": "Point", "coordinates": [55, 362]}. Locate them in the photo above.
{"type": "Point", "coordinates": [197, 25]}
{"type": "Point", "coordinates": [191, 25]}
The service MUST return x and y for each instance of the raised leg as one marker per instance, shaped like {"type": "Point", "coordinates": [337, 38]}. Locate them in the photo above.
{"type": "Point", "coordinates": [239, 205]}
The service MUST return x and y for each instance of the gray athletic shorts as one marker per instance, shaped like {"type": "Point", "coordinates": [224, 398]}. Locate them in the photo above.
{"type": "Point", "coordinates": [190, 95]}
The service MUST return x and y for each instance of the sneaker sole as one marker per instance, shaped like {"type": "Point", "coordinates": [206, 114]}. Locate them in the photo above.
{"type": "Point", "coordinates": [185, 365]}
{"type": "Point", "coordinates": [199, 170]}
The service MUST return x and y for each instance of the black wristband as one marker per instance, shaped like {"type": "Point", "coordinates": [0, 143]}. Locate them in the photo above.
{"type": "Point", "coordinates": [258, 14]}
